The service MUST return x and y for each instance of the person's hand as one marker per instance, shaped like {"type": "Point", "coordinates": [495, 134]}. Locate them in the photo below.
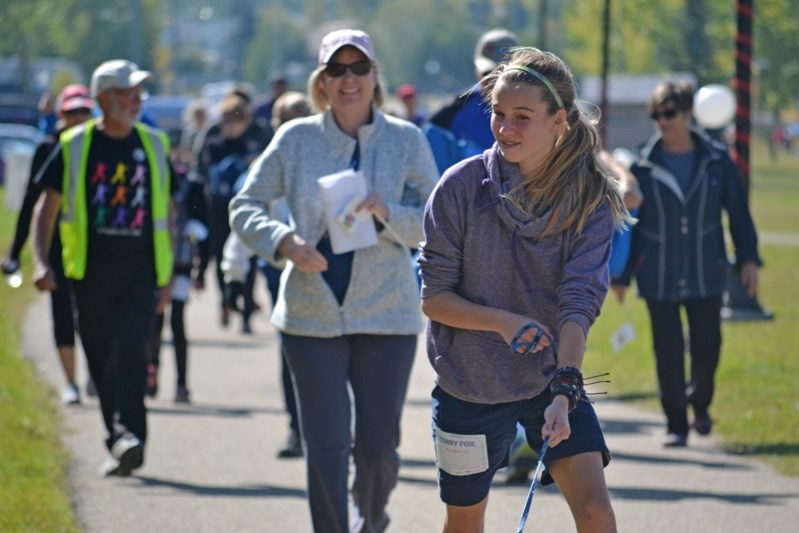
{"type": "Point", "coordinates": [619, 290]}
{"type": "Point", "coordinates": [374, 204]}
{"type": "Point", "coordinates": [304, 256]}
{"type": "Point", "coordinates": [516, 323]}
{"type": "Point", "coordinates": [164, 295]}
{"type": "Point", "coordinates": [556, 421]}
{"type": "Point", "coordinates": [43, 277]}
{"type": "Point", "coordinates": [749, 278]}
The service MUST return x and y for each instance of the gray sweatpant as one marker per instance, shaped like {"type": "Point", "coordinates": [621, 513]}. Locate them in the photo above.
{"type": "Point", "coordinates": [377, 369]}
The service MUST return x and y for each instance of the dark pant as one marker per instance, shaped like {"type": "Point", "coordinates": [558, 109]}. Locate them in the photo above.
{"type": "Point", "coordinates": [179, 341]}
{"type": "Point", "coordinates": [272, 276]}
{"type": "Point", "coordinates": [220, 229]}
{"type": "Point", "coordinates": [62, 307]}
{"type": "Point", "coordinates": [115, 318]}
{"type": "Point", "coordinates": [375, 369]}
{"type": "Point", "coordinates": [704, 333]}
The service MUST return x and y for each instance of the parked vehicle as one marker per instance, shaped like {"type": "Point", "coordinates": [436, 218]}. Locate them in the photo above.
{"type": "Point", "coordinates": [16, 137]}
{"type": "Point", "coordinates": [166, 111]}
{"type": "Point", "coordinates": [17, 108]}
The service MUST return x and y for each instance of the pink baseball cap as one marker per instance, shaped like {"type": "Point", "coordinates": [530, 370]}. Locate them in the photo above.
{"type": "Point", "coordinates": [405, 91]}
{"type": "Point", "coordinates": [75, 96]}
{"type": "Point", "coordinates": [335, 40]}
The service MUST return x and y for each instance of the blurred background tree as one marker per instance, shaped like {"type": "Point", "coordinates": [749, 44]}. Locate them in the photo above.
{"type": "Point", "coordinates": [425, 42]}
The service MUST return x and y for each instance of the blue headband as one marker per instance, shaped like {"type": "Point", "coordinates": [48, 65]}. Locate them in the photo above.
{"type": "Point", "coordinates": [542, 79]}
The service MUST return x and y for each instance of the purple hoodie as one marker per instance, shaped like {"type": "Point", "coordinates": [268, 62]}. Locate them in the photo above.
{"type": "Point", "coordinates": [479, 246]}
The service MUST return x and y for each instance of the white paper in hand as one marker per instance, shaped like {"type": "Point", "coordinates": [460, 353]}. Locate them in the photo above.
{"type": "Point", "coordinates": [622, 336]}
{"type": "Point", "coordinates": [348, 230]}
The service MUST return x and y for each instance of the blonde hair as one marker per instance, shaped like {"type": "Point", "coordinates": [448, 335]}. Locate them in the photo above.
{"type": "Point", "coordinates": [289, 105]}
{"type": "Point", "coordinates": [572, 181]}
{"type": "Point", "coordinates": [316, 91]}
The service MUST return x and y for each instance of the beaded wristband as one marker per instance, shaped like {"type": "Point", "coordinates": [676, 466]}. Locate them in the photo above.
{"type": "Point", "coordinates": [567, 381]}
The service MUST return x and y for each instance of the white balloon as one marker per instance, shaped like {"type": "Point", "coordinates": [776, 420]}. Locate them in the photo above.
{"type": "Point", "coordinates": [714, 106]}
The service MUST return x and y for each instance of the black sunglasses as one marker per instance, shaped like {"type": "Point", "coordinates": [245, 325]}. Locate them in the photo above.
{"type": "Point", "coordinates": [668, 114]}
{"type": "Point", "coordinates": [359, 68]}
{"type": "Point", "coordinates": [83, 111]}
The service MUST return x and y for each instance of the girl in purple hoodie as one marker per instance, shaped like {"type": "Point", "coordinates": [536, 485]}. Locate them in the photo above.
{"type": "Point", "coordinates": [515, 270]}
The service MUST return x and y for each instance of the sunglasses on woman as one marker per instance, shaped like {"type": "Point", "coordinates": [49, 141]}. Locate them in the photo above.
{"type": "Point", "coordinates": [81, 111]}
{"type": "Point", "coordinates": [668, 114]}
{"type": "Point", "coordinates": [359, 68]}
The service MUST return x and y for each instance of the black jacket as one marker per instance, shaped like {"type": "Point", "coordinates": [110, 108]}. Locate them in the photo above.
{"type": "Point", "coordinates": [678, 251]}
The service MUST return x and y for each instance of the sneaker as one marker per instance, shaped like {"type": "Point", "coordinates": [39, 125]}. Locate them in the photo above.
{"type": "Point", "coordinates": [246, 329]}
{"type": "Point", "coordinates": [292, 448]}
{"type": "Point", "coordinates": [182, 394]}
{"type": "Point", "coordinates": [675, 440]}
{"type": "Point", "coordinates": [127, 454]}
{"type": "Point", "coordinates": [71, 395]}
{"type": "Point", "coordinates": [702, 425]}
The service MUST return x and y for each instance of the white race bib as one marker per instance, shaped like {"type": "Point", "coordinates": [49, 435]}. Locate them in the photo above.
{"type": "Point", "coordinates": [461, 455]}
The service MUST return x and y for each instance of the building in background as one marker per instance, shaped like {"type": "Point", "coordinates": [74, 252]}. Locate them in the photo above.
{"type": "Point", "coordinates": [628, 122]}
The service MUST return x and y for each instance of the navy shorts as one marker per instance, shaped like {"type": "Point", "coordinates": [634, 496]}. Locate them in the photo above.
{"type": "Point", "coordinates": [498, 423]}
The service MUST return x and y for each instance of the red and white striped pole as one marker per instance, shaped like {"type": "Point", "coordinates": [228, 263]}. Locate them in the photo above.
{"type": "Point", "coordinates": [739, 305]}
{"type": "Point", "coordinates": [743, 86]}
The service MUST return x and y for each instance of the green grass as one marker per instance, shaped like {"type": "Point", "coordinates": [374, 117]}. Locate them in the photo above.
{"type": "Point", "coordinates": [775, 193]}
{"type": "Point", "coordinates": [33, 488]}
{"type": "Point", "coordinates": [756, 406]}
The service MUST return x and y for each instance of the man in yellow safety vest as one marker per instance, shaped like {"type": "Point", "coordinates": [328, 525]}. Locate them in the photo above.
{"type": "Point", "coordinates": [110, 179]}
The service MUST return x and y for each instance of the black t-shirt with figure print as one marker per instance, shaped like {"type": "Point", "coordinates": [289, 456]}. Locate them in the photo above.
{"type": "Point", "coordinates": [118, 200]}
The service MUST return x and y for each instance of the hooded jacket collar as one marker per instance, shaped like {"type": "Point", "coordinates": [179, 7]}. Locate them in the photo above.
{"type": "Point", "coordinates": [503, 176]}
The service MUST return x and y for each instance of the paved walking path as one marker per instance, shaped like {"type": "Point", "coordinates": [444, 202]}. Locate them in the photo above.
{"type": "Point", "coordinates": [211, 467]}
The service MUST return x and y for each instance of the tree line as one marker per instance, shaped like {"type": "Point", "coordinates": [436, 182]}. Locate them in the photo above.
{"type": "Point", "coordinates": [425, 42]}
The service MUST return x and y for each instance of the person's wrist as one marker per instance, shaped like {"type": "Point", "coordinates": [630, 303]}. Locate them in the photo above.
{"type": "Point", "coordinates": [286, 246]}
{"type": "Point", "coordinates": [567, 382]}
{"type": "Point", "coordinates": [561, 400]}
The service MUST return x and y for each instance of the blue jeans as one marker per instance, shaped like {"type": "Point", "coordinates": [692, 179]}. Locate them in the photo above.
{"type": "Point", "coordinates": [376, 369]}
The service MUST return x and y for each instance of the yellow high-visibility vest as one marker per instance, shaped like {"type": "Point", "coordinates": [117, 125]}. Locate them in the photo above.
{"type": "Point", "coordinates": [74, 221]}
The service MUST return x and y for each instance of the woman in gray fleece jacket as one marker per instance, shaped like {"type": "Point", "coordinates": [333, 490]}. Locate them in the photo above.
{"type": "Point", "coordinates": [347, 319]}
{"type": "Point", "coordinates": [515, 263]}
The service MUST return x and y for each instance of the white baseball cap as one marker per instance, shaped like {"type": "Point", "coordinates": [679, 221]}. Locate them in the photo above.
{"type": "Point", "coordinates": [118, 74]}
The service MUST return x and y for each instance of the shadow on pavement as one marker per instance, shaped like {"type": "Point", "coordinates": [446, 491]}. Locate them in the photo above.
{"type": "Point", "coordinates": [741, 448]}
{"type": "Point", "coordinates": [418, 481]}
{"type": "Point", "coordinates": [213, 410]}
{"type": "Point", "coordinates": [419, 402]}
{"type": "Point", "coordinates": [641, 494]}
{"type": "Point", "coordinates": [418, 463]}
{"type": "Point", "coordinates": [257, 491]}
{"type": "Point", "coordinates": [618, 426]}
{"type": "Point", "coordinates": [634, 396]}
{"type": "Point", "coordinates": [678, 460]}
{"type": "Point", "coordinates": [227, 345]}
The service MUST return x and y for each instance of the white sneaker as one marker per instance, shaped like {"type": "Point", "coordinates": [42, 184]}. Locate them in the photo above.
{"type": "Point", "coordinates": [127, 454]}
{"type": "Point", "coordinates": [70, 395]}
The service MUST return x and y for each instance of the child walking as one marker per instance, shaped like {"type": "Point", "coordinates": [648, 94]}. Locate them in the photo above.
{"type": "Point", "coordinates": [514, 272]}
